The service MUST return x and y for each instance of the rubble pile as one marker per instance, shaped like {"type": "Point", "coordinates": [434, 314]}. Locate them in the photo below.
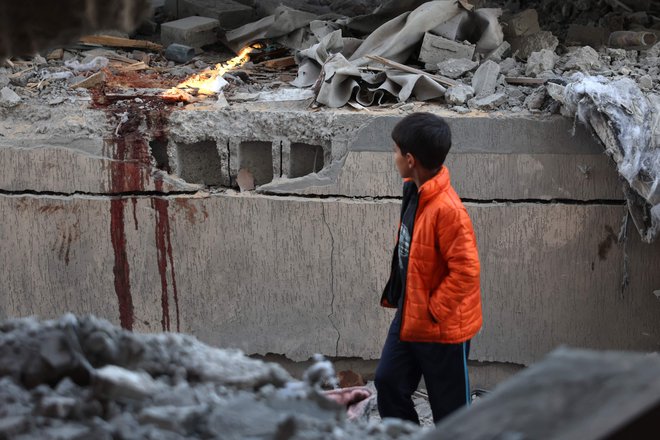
{"type": "Point", "coordinates": [76, 378]}
{"type": "Point", "coordinates": [516, 56]}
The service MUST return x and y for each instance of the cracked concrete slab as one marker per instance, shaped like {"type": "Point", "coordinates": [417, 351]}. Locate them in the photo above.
{"type": "Point", "coordinates": [266, 267]}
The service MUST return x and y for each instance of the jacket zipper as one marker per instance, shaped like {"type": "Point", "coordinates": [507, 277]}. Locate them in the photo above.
{"type": "Point", "coordinates": [412, 243]}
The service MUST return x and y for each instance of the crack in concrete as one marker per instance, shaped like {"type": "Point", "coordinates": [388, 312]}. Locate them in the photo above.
{"type": "Point", "coordinates": [220, 190]}
{"type": "Point", "coordinates": [340, 197]}
{"type": "Point", "coordinates": [97, 195]}
{"type": "Point", "coordinates": [332, 279]}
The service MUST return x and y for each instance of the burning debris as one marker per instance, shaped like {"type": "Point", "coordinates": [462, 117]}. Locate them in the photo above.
{"type": "Point", "coordinates": [84, 378]}
{"type": "Point", "coordinates": [210, 81]}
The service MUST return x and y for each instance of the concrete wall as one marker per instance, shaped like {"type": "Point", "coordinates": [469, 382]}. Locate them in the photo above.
{"type": "Point", "coordinates": [292, 274]}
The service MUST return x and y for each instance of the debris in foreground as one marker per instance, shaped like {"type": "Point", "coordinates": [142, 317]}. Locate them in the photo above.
{"type": "Point", "coordinates": [85, 378]}
{"type": "Point", "coordinates": [571, 394]}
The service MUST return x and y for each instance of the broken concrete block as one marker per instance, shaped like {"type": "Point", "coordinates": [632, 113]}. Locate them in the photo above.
{"type": "Point", "coordinates": [115, 382]}
{"type": "Point", "coordinates": [459, 94]}
{"type": "Point", "coordinates": [456, 67]}
{"type": "Point", "coordinates": [583, 58]}
{"type": "Point", "coordinates": [525, 46]}
{"type": "Point", "coordinates": [490, 102]}
{"type": "Point", "coordinates": [230, 14]}
{"type": "Point", "coordinates": [522, 24]}
{"type": "Point", "coordinates": [485, 78]}
{"type": "Point", "coordinates": [507, 65]}
{"type": "Point", "coordinates": [9, 98]}
{"type": "Point", "coordinates": [536, 99]}
{"type": "Point", "coordinates": [191, 31]}
{"type": "Point", "coordinates": [645, 82]}
{"type": "Point", "coordinates": [499, 53]}
{"type": "Point", "coordinates": [539, 62]}
{"type": "Point", "coordinates": [436, 49]}
{"type": "Point", "coordinates": [91, 81]}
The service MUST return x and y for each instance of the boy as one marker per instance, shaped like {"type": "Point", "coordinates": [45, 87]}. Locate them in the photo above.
{"type": "Point", "coordinates": [434, 280]}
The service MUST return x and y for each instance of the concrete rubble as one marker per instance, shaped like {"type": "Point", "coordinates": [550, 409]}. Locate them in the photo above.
{"type": "Point", "coordinates": [190, 31]}
{"type": "Point", "coordinates": [509, 64]}
{"type": "Point", "coordinates": [84, 378]}
{"type": "Point", "coordinates": [571, 394]}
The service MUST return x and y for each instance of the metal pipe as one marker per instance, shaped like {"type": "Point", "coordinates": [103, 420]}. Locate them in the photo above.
{"type": "Point", "coordinates": [626, 39]}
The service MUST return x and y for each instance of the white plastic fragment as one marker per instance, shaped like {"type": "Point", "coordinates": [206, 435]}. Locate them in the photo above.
{"type": "Point", "coordinates": [95, 65]}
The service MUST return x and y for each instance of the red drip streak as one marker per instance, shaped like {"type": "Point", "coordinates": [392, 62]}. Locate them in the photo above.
{"type": "Point", "coordinates": [123, 176]}
{"type": "Point", "coordinates": [164, 251]}
{"type": "Point", "coordinates": [160, 206]}
{"type": "Point", "coordinates": [121, 269]}
{"type": "Point", "coordinates": [135, 220]}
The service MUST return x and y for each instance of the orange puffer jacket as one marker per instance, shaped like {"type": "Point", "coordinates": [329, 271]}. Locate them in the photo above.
{"type": "Point", "coordinates": [442, 301]}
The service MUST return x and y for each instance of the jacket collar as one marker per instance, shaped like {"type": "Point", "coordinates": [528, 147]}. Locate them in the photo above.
{"type": "Point", "coordinates": [434, 186]}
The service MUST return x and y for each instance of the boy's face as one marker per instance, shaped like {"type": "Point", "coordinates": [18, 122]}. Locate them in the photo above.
{"type": "Point", "coordinates": [402, 162]}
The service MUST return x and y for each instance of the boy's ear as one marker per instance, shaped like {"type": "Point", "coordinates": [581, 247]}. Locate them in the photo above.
{"type": "Point", "coordinates": [411, 161]}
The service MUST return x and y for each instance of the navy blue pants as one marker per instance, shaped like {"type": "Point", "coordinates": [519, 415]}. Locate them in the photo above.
{"type": "Point", "coordinates": [402, 365]}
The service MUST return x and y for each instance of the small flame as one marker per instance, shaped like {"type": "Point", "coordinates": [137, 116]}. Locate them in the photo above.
{"type": "Point", "coordinates": [210, 81]}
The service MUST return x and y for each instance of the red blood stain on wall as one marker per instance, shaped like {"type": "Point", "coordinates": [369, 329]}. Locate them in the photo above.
{"type": "Point", "coordinates": [121, 268]}
{"type": "Point", "coordinates": [131, 171]}
{"type": "Point", "coordinates": [164, 255]}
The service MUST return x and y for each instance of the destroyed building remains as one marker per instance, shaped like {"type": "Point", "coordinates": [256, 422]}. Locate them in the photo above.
{"type": "Point", "coordinates": [224, 170]}
{"type": "Point", "coordinates": [484, 56]}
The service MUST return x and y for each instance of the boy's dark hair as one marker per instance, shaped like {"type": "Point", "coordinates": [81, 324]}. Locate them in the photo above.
{"type": "Point", "coordinates": [426, 136]}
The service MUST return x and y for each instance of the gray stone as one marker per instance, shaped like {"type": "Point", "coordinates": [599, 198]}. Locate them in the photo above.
{"type": "Point", "coordinates": [523, 47]}
{"type": "Point", "coordinates": [584, 58]}
{"type": "Point", "coordinates": [4, 80]}
{"type": "Point", "coordinates": [115, 382]}
{"type": "Point", "coordinates": [485, 79]}
{"type": "Point", "coordinates": [460, 109]}
{"type": "Point", "coordinates": [230, 14]}
{"type": "Point", "coordinates": [9, 98]}
{"type": "Point", "coordinates": [514, 96]}
{"type": "Point", "coordinates": [500, 52]}
{"type": "Point", "coordinates": [191, 31]}
{"type": "Point", "coordinates": [539, 62]}
{"type": "Point", "coordinates": [617, 54]}
{"type": "Point", "coordinates": [490, 102]}
{"type": "Point", "coordinates": [645, 82]}
{"type": "Point", "coordinates": [436, 49]}
{"type": "Point", "coordinates": [456, 67]}
{"type": "Point", "coordinates": [459, 95]}
{"type": "Point", "coordinates": [536, 99]}
{"type": "Point", "coordinates": [55, 352]}
{"type": "Point", "coordinates": [507, 65]}
{"type": "Point", "coordinates": [39, 60]}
